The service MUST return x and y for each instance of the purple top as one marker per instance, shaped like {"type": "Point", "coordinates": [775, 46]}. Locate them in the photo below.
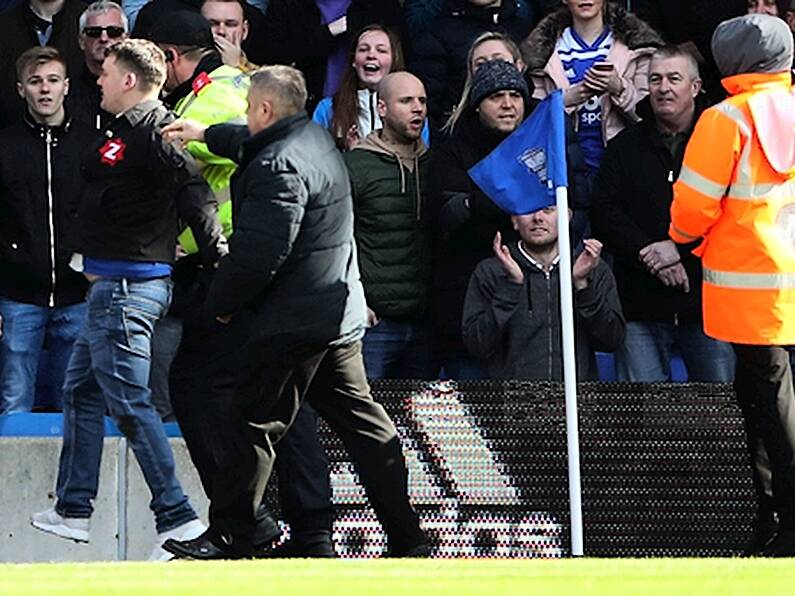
{"type": "Point", "coordinates": [331, 10]}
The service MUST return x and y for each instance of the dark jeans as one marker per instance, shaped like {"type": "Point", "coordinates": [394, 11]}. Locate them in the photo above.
{"type": "Point", "coordinates": [397, 350]}
{"type": "Point", "coordinates": [202, 382]}
{"type": "Point", "coordinates": [763, 384]}
{"type": "Point", "coordinates": [273, 384]}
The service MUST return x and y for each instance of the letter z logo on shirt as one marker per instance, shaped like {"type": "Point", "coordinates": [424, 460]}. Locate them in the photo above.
{"type": "Point", "coordinates": [112, 152]}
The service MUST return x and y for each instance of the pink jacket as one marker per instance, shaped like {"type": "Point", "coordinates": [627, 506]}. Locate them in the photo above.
{"type": "Point", "coordinates": [634, 44]}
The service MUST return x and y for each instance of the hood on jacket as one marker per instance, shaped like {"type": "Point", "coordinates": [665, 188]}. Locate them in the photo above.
{"type": "Point", "coordinates": [626, 27]}
{"type": "Point", "coordinates": [408, 158]}
{"type": "Point", "coordinates": [754, 43]}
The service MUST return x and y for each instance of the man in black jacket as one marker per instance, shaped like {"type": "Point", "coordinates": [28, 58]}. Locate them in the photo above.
{"type": "Point", "coordinates": [137, 186]}
{"type": "Point", "coordinates": [292, 268]}
{"type": "Point", "coordinates": [512, 310]}
{"type": "Point", "coordinates": [659, 284]}
{"type": "Point", "coordinates": [35, 23]}
{"type": "Point", "coordinates": [40, 187]}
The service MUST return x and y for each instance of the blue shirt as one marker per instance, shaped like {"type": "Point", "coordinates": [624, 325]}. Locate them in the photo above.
{"type": "Point", "coordinates": [128, 269]}
{"type": "Point", "coordinates": [577, 57]}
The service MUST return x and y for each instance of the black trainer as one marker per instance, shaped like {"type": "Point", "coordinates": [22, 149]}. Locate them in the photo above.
{"type": "Point", "coordinates": [765, 529]}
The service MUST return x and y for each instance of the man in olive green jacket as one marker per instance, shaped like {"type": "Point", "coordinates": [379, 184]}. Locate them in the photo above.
{"type": "Point", "coordinates": [388, 171]}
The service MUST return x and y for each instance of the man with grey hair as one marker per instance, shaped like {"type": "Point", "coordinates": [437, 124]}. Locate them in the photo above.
{"type": "Point", "coordinates": [659, 284]}
{"type": "Point", "coordinates": [101, 25]}
{"type": "Point", "coordinates": [292, 272]}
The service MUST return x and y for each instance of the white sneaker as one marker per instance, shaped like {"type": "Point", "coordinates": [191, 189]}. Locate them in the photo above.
{"type": "Point", "coordinates": [187, 531]}
{"type": "Point", "coordinates": [52, 522]}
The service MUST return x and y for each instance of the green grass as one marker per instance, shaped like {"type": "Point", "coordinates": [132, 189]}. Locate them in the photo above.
{"type": "Point", "coordinates": [585, 577]}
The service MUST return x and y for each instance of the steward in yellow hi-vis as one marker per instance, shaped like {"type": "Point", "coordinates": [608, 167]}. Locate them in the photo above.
{"type": "Point", "coordinates": [737, 191]}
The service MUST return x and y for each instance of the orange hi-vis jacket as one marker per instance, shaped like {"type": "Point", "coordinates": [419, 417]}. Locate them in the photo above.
{"type": "Point", "coordinates": [737, 191]}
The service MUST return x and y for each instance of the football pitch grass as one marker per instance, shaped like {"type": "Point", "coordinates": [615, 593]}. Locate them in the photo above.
{"type": "Point", "coordinates": [435, 577]}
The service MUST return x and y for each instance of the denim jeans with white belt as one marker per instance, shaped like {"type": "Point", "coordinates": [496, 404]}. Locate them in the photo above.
{"type": "Point", "coordinates": [109, 370]}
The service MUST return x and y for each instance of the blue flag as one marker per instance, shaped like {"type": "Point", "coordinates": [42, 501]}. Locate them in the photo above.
{"type": "Point", "coordinates": [522, 173]}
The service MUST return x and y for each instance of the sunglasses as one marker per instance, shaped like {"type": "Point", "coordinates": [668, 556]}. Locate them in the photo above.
{"type": "Point", "coordinates": [95, 32]}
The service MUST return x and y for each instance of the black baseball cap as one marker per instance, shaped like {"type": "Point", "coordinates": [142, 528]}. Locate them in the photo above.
{"type": "Point", "coordinates": [182, 28]}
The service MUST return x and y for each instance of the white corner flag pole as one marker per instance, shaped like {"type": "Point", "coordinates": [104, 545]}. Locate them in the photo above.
{"type": "Point", "coordinates": [569, 371]}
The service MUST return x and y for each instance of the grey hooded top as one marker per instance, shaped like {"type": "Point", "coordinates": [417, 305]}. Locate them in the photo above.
{"type": "Point", "coordinates": [752, 43]}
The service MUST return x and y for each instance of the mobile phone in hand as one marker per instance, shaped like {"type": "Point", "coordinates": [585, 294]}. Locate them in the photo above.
{"type": "Point", "coordinates": [603, 66]}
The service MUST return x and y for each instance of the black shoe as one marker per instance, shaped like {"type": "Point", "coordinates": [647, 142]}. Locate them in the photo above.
{"type": "Point", "coordinates": [321, 548]}
{"type": "Point", "coordinates": [267, 530]}
{"type": "Point", "coordinates": [765, 529]}
{"type": "Point", "coordinates": [419, 551]}
{"type": "Point", "coordinates": [208, 547]}
{"type": "Point", "coordinates": [783, 545]}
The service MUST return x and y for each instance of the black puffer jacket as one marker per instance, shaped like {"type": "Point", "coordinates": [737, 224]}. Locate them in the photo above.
{"type": "Point", "coordinates": [439, 55]}
{"type": "Point", "coordinates": [28, 194]}
{"type": "Point", "coordinates": [680, 21]}
{"type": "Point", "coordinates": [465, 220]}
{"type": "Point", "coordinates": [292, 258]}
{"type": "Point", "coordinates": [295, 35]}
{"type": "Point", "coordinates": [632, 209]}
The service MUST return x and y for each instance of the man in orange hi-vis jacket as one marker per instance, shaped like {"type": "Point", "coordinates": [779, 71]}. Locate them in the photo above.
{"type": "Point", "coordinates": [737, 191]}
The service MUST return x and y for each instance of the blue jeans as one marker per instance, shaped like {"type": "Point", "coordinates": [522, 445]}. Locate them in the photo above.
{"type": "Point", "coordinates": [25, 328]}
{"type": "Point", "coordinates": [111, 360]}
{"type": "Point", "coordinates": [646, 353]}
{"type": "Point", "coordinates": [397, 350]}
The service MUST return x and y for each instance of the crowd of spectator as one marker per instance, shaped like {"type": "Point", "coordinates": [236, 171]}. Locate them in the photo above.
{"type": "Point", "coordinates": [413, 94]}
{"type": "Point", "coordinates": [416, 268]}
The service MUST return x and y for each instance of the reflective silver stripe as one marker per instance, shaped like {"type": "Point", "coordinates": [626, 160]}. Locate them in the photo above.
{"type": "Point", "coordinates": [684, 234]}
{"type": "Point", "coordinates": [736, 114]}
{"type": "Point", "coordinates": [750, 281]}
{"type": "Point", "coordinates": [703, 185]}
{"type": "Point", "coordinates": [767, 190]}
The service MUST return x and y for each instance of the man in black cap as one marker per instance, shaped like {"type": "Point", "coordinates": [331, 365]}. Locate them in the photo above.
{"type": "Point", "coordinates": [155, 12]}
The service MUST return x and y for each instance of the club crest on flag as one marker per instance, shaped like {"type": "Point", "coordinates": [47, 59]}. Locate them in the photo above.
{"type": "Point", "coordinates": [535, 160]}
{"type": "Point", "coordinates": [523, 171]}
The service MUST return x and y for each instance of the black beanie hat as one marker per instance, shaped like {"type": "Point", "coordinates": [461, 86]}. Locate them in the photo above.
{"type": "Point", "coordinates": [493, 76]}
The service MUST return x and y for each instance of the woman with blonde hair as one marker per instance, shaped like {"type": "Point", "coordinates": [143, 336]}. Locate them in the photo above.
{"type": "Point", "coordinates": [491, 45]}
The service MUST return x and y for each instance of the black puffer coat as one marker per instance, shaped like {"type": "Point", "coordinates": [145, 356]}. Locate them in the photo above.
{"type": "Point", "coordinates": [292, 258]}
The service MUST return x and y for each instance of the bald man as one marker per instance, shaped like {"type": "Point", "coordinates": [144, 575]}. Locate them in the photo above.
{"type": "Point", "coordinates": [388, 171]}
